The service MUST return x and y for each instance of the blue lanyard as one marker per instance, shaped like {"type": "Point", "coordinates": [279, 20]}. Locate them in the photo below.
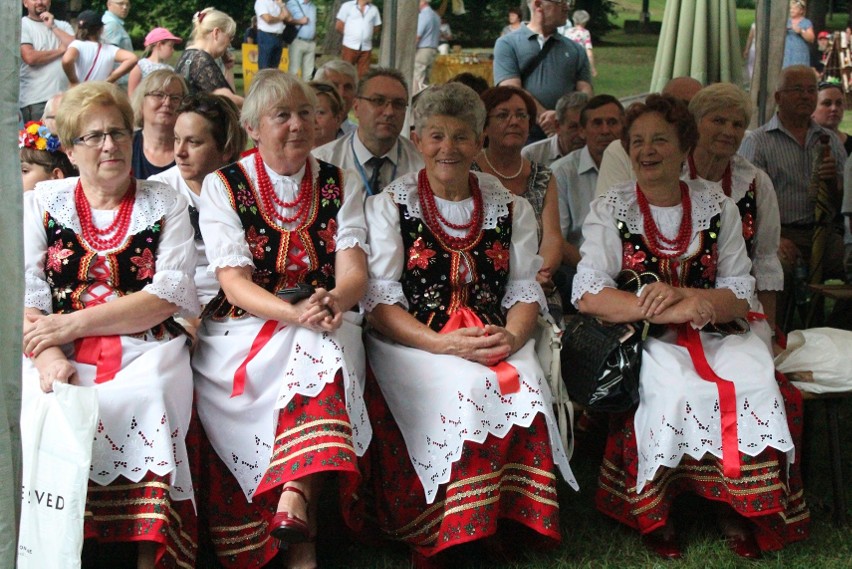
{"type": "Point", "coordinates": [363, 173]}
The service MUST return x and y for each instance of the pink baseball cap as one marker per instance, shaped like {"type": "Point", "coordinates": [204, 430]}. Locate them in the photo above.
{"type": "Point", "coordinates": [160, 34]}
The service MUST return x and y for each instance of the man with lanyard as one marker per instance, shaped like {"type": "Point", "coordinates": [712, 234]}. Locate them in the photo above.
{"type": "Point", "coordinates": [302, 52]}
{"type": "Point", "coordinates": [428, 38]}
{"type": "Point", "coordinates": [375, 149]}
{"type": "Point", "coordinates": [114, 32]}
{"type": "Point", "coordinates": [43, 42]}
{"type": "Point", "coordinates": [543, 62]}
{"type": "Point", "coordinates": [358, 20]}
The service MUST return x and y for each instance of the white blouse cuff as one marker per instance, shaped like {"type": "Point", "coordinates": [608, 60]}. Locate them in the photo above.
{"type": "Point", "coordinates": [743, 287]}
{"type": "Point", "coordinates": [229, 261]}
{"type": "Point", "coordinates": [383, 292]}
{"type": "Point", "coordinates": [768, 273]}
{"type": "Point", "coordinates": [528, 291]}
{"type": "Point", "coordinates": [37, 294]}
{"type": "Point", "coordinates": [178, 288]}
{"type": "Point", "coordinates": [589, 281]}
{"type": "Point", "coordinates": [352, 237]}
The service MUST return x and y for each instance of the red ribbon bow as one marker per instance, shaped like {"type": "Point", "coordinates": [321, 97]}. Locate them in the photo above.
{"type": "Point", "coordinates": [103, 352]}
{"type": "Point", "coordinates": [507, 374]}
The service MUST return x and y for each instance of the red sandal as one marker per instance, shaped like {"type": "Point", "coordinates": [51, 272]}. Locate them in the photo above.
{"type": "Point", "coordinates": [286, 527]}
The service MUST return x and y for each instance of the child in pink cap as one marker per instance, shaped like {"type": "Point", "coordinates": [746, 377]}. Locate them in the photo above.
{"type": "Point", "coordinates": [159, 47]}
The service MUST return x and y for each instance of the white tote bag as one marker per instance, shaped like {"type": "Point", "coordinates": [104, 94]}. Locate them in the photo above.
{"type": "Point", "coordinates": [57, 430]}
{"type": "Point", "coordinates": [818, 360]}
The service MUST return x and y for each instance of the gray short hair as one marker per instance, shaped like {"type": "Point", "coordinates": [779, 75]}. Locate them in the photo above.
{"type": "Point", "coordinates": [268, 88]}
{"type": "Point", "coordinates": [793, 70]}
{"type": "Point", "coordinates": [720, 96]}
{"type": "Point", "coordinates": [337, 66]}
{"type": "Point", "coordinates": [381, 72]}
{"type": "Point", "coordinates": [580, 17]}
{"type": "Point", "coordinates": [452, 100]}
{"type": "Point", "coordinates": [571, 102]}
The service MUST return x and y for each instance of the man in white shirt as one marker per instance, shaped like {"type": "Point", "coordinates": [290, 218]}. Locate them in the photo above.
{"type": "Point", "coordinates": [428, 38]}
{"type": "Point", "coordinates": [114, 32]}
{"type": "Point", "coordinates": [358, 20]}
{"type": "Point", "coordinates": [344, 77]}
{"type": "Point", "coordinates": [376, 151]}
{"type": "Point", "coordinates": [601, 122]}
{"type": "Point", "coordinates": [567, 137]}
{"type": "Point", "coordinates": [272, 16]}
{"type": "Point", "coordinates": [43, 42]}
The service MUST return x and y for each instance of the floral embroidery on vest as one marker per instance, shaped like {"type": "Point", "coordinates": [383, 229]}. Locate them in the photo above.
{"type": "Point", "coordinates": [699, 269]}
{"type": "Point", "coordinates": [748, 212]}
{"type": "Point", "coordinates": [438, 280]}
{"type": "Point", "coordinates": [284, 257]}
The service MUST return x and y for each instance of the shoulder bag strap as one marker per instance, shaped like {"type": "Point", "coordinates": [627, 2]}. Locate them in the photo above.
{"type": "Point", "coordinates": [92, 68]}
{"type": "Point", "coordinates": [536, 61]}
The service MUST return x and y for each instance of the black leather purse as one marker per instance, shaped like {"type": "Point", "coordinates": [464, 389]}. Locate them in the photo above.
{"type": "Point", "coordinates": [601, 361]}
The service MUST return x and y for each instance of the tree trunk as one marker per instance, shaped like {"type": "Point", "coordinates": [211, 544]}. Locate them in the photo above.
{"type": "Point", "coordinates": [333, 39]}
{"type": "Point", "coordinates": [397, 47]}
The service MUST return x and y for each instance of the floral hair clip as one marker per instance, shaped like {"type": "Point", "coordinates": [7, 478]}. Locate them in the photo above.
{"type": "Point", "coordinates": [37, 136]}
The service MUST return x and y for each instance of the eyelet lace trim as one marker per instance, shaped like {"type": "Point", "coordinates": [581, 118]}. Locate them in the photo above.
{"type": "Point", "coordinates": [383, 292]}
{"type": "Point", "coordinates": [495, 197]}
{"type": "Point", "coordinates": [589, 281]}
{"type": "Point", "coordinates": [351, 237]}
{"type": "Point", "coordinates": [37, 293]}
{"type": "Point", "coordinates": [706, 198]}
{"type": "Point", "coordinates": [178, 288]}
{"type": "Point", "coordinates": [153, 201]}
{"type": "Point", "coordinates": [527, 291]}
{"type": "Point", "coordinates": [742, 287]}
{"type": "Point", "coordinates": [231, 260]}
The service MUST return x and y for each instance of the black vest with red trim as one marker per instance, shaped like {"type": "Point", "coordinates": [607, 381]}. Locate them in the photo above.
{"type": "Point", "coordinates": [69, 262]}
{"type": "Point", "coordinates": [433, 276]}
{"type": "Point", "coordinates": [748, 212]}
{"type": "Point", "coordinates": [696, 271]}
{"type": "Point", "coordinates": [283, 258]}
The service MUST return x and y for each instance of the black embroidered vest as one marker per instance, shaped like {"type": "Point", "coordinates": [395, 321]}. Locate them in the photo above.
{"type": "Point", "coordinates": [283, 258]}
{"type": "Point", "coordinates": [69, 264]}
{"type": "Point", "coordinates": [748, 212]}
{"type": "Point", "coordinates": [433, 276]}
{"type": "Point", "coordinates": [696, 271]}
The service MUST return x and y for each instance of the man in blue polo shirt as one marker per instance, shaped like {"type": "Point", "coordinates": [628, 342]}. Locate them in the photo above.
{"type": "Point", "coordinates": [302, 51]}
{"type": "Point", "coordinates": [561, 68]}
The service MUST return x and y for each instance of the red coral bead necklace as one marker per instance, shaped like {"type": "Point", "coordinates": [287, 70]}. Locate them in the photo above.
{"type": "Point", "coordinates": [118, 228]}
{"type": "Point", "coordinates": [654, 237]}
{"type": "Point", "coordinates": [270, 200]}
{"type": "Point", "coordinates": [436, 222]}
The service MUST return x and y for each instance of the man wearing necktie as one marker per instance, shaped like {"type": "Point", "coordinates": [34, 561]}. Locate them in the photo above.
{"type": "Point", "coordinates": [375, 150]}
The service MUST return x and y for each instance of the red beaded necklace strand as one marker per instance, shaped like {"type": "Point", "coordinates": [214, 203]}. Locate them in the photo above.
{"type": "Point", "coordinates": [655, 239]}
{"type": "Point", "coordinates": [268, 197]}
{"type": "Point", "coordinates": [435, 221]}
{"type": "Point", "coordinates": [118, 228]}
{"type": "Point", "coordinates": [727, 176]}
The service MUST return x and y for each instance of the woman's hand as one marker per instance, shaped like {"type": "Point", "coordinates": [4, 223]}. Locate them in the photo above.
{"type": "Point", "coordinates": [545, 279]}
{"type": "Point", "coordinates": [693, 310]}
{"type": "Point", "coordinates": [46, 331]}
{"type": "Point", "coordinates": [60, 370]}
{"type": "Point", "coordinates": [486, 346]}
{"type": "Point", "coordinates": [656, 298]}
{"type": "Point", "coordinates": [320, 312]}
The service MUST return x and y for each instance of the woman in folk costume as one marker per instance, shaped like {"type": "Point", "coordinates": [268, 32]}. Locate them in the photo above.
{"type": "Point", "coordinates": [109, 261]}
{"type": "Point", "coordinates": [452, 301]}
{"type": "Point", "coordinates": [711, 418]}
{"type": "Point", "coordinates": [279, 354]}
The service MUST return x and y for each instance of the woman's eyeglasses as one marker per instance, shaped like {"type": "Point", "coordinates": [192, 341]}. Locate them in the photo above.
{"type": "Point", "coordinates": [161, 97]}
{"type": "Point", "coordinates": [97, 139]}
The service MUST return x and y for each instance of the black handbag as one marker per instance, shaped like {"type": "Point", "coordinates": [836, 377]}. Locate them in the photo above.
{"type": "Point", "coordinates": [289, 34]}
{"type": "Point", "coordinates": [601, 362]}
{"type": "Point", "coordinates": [604, 359]}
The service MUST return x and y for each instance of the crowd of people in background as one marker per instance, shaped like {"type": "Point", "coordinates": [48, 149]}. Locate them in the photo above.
{"type": "Point", "coordinates": [304, 290]}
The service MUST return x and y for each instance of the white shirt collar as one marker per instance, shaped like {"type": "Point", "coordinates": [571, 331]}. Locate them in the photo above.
{"type": "Point", "coordinates": [363, 154]}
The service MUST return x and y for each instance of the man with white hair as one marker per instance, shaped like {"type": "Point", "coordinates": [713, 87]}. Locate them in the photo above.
{"type": "Point", "coordinates": [344, 77]}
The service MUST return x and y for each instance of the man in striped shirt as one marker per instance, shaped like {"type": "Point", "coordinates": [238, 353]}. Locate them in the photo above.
{"type": "Point", "coordinates": [786, 148]}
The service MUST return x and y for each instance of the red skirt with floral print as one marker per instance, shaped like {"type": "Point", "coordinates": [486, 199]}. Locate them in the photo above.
{"type": "Point", "coordinates": [313, 435]}
{"type": "Point", "coordinates": [776, 508]}
{"type": "Point", "coordinates": [510, 478]}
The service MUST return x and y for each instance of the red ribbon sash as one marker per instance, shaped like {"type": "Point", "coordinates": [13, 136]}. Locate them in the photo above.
{"type": "Point", "coordinates": [266, 332]}
{"type": "Point", "coordinates": [689, 338]}
{"type": "Point", "coordinates": [103, 352]}
{"type": "Point", "coordinates": [507, 375]}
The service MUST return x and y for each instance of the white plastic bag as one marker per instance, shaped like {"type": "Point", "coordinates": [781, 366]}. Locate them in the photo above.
{"type": "Point", "coordinates": [57, 430]}
{"type": "Point", "coordinates": [822, 356]}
